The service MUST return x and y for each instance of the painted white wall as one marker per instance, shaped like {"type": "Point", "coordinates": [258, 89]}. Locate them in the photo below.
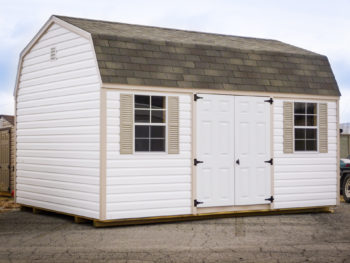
{"type": "Point", "coordinates": [58, 126]}
{"type": "Point", "coordinates": [148, 184]}
{"type": "Point", "coordinates": [304, 179]}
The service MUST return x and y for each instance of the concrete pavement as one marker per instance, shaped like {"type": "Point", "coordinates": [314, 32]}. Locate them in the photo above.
{"type": "Point", "coordinates": [320, 237]}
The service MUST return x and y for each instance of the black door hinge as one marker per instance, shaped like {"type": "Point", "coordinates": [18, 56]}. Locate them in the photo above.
{"type": "Point", "coordinates": [270, 161]}
{"type": "Point", "coordinates": [195, 162]}
{"type": "Point", "coordinates": [9, 167]}
{"type": "Point", "coordinates": [196, 97]}
{"type": "Point", "coordinates": [270, 199]}
{"type": "Point", "coordinates": [269, 100]}
{"type": "Point", "coordinates": [196, 203]}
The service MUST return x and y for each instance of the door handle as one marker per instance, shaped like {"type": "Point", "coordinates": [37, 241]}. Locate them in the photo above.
{"type": "Point", "coordinates": [237, 162]}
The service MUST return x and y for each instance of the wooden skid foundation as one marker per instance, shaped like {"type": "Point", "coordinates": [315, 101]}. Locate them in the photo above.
{"type": "Point", "coordinates": [37, 210]}
{"type": "Point", "coordinates": [168, 219]}
{"type": "Point", "coordinates": [179, 218]}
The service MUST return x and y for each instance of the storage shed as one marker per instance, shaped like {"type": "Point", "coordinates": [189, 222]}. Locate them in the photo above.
{"type": "Point", "coordinates": [7, 154]}
{"type": "Point", "coordinates": [118, 121]}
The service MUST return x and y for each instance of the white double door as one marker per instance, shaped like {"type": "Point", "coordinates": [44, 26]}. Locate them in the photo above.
{"type": "Point", "coordinates": [233, 142]}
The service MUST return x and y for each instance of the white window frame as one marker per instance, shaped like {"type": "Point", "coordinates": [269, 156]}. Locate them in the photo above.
{"type": "Point", "coordinates": [165, 124]}
{"type": "Point", "coordinates": [306, 127]}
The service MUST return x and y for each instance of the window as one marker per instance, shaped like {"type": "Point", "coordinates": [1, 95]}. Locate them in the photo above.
{"type": "Point", "coordinates": [305, 126]}
{"type": "Point", "coordinates": [150, 123]}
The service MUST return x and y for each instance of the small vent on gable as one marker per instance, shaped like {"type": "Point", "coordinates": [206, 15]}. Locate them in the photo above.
{"type": "Point", "coordinates": [53, 53]}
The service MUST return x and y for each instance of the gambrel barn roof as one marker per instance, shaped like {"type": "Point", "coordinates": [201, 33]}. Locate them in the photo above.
{"type": "Point", "coordinates": [152, 56]}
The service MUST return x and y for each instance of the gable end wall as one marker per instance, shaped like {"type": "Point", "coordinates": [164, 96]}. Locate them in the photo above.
{"type": "Point", "coordinates": [58, 118]}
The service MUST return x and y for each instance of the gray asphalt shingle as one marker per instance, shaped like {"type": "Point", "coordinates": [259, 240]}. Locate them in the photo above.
{"type": "Point", "coordinates": [143, 55]}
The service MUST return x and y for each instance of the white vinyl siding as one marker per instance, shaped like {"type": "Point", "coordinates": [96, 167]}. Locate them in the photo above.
{"type": "Point", "coordinates": [304, 179]}
{"type": "Point", "coordinates": [58, 126]}
{"type": "Point", "coordinates": [148, 184]}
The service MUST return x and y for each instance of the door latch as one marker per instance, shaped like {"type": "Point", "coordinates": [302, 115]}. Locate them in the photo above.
{"type": "Point", "coordinates": [237, 162]}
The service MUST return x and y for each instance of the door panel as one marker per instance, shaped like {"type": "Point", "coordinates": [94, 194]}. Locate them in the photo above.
{"type": "Point", "coordinates": [252, 141]}
{"type": "Point", "coordinates": [215, 147]}
{"type": "Point", "coordinates": [4, 160]}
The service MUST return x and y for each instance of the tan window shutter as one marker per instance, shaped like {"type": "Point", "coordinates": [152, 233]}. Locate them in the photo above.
{"type": "Point", "coordinates": [323, 128]}
{"type": "Point", "coordinates": [126, 123]}
{"type": "Point", "coordinates": [173, 125]}
{"type": "Point", "coordinates": [287, 127]}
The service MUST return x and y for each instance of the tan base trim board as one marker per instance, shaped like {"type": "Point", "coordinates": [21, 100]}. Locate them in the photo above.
{"type": "Point", "coordinates": [180, 218]}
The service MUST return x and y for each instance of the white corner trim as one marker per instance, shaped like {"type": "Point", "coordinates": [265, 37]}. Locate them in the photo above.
{"type": "Point", "coordinates": [38, 35]}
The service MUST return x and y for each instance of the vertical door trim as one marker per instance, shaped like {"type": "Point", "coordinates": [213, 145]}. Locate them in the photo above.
{"type": "Point", "coordinates": [272, 152]}
{"type": "Point", "coordinates": [194, 153]}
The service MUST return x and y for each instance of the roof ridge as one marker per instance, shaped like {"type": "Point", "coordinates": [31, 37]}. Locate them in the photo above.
{"type": "Point", "coordinates": [168, 28]}
{"type": "Point", "coordinates": [222, 36]}
{"type": "Point", "coordinates": [310, 53]}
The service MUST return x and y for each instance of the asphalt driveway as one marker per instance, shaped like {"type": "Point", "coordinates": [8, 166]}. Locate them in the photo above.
{"type": "Point", "coordinates": [321, 237]}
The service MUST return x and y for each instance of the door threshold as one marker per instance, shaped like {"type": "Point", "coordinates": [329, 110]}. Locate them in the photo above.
{"type": "Point", "coordinates": [216, 209]}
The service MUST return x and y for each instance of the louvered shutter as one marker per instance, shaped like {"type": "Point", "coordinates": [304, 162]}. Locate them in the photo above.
{"type": "Point", "coordinates": [126, 123]}
{"type": "Point", "coordinates": [323, 128]}
{"type": "Point", "coordinates": [173, 125]}
{"type": "Point", "coordinates": [287, 127]}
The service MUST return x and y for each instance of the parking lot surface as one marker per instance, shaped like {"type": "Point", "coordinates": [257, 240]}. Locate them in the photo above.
{"type": "Point", "coordinates": [312, 237]}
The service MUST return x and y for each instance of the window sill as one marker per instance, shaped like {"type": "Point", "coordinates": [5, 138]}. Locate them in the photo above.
{"type": "Point", "coordinates": [307, 152]}
{"type": "Point", "coordinates": [150, 153]}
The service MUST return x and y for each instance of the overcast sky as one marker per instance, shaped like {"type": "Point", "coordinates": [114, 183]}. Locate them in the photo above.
{"type": "Point", "coordinates": [321, 26]}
